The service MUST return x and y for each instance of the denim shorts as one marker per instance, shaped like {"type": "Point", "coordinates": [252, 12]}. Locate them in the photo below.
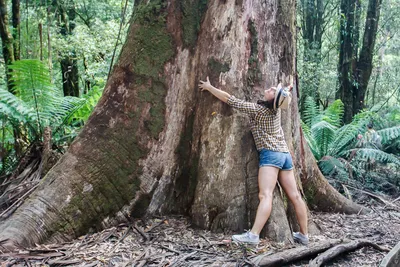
{"type": "Point", "coordinates": [281, 160]}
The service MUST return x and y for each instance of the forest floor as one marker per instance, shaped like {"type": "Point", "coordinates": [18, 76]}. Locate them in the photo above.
{"type": "Point", "coordinates": [173, 241]}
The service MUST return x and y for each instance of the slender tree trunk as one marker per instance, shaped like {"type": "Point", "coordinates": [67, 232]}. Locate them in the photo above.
{"type": "Point", "coordinates": [313, 23]}
{"type": "Point", "coordinates": [346, 57]}
{"type": "Point", "coordinates": [16, 23]}
{"type": "Point", "coordinates": [40, 26]}
{"type": "Point", "coordinates": [364, 63]}
{"type": "Point", "coordinates": [50, 59]}
{"type": "Point", "coordinates": [6, 39]}
{"type": "Point", "coordinates": [155, 144]}
{"type": "Point", "coordinates": [69, 63]}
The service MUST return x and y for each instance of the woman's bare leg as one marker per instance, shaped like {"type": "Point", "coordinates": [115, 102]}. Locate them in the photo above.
{"type": "Point", "coordinates": [267, 177]}
{"type": "Point", "coordinates": [288, 183]}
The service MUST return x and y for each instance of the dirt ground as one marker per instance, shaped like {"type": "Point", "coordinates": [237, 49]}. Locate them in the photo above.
{"type": "Point", "coordinates": [173, 242]}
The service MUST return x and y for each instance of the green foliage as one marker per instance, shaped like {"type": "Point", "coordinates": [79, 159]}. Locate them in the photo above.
{"type": "Point", "coordinates": [32, 86]}
{"type": "Point", "coordinates": [338, 151]}
{"type": "Point", "coordinates": [36, 103]}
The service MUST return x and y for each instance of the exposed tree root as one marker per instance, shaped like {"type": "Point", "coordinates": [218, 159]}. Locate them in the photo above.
{"type": "Point", "coordinates": [342, 248]}
{"type": "Point", "coordinates": [295, 254]}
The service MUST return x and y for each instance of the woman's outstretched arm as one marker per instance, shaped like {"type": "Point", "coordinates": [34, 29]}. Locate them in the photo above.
{"type": "Point", "coordinates": [221, 95]}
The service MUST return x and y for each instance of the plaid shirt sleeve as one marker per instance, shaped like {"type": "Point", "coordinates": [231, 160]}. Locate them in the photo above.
{"type": "Point", "coordinates": [243, 106]}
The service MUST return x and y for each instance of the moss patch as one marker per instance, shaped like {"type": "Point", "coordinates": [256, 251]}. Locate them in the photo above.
{"type": "Point", "coordinates": [155, 95]}
{"type": "Point", "coordinates": [254, 73]}
{"type": "Point", "coordinates": [192, 14]}
{"type": "Point", "coordinates": [152, 43]}
{"type": "Point", "coordinates": [215, 67]}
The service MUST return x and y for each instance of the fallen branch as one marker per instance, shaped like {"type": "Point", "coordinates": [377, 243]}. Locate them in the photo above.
{"type": "Point", "coordinates": [375, 196]}
{"type": "Point", "coordinates": [183, 258]}
{"type": "Point", "coordinates": [146, 237]}
{"type": "Point", "coordinates": [342, 248]}
{"type": "Point", "coordinates": [295, 254]}
{"type": "Point", "coordinates": [392, 259]}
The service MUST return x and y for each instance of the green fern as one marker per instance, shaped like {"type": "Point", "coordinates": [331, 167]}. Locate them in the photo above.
{"type": "Point", "coordinates": [389, 134]}
{"type": "Point", "coordinates": [311, 112]}
{"type": "Point", "coordinates": [311, 140]}
{"type": "Point", "coordinates": [346, 135]}
{"type": "Point", "coordinates": [334, 113]}
{"type": "Point", "coordinates": [16, 112]}
{"type": "Point", "coordinates": [369, 154]}
{"type": "Point", "coordinates": [323, 133]}
{"type": "Point", "coordinates": [31, 83]}
{"type": "Point", "coordinates": [83, 112]}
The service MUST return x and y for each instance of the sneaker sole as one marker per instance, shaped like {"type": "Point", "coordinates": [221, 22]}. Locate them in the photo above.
{"type": "Point", "coordinates": [300, 241]}
{"type": "Point", "coordinates": [243, 242]}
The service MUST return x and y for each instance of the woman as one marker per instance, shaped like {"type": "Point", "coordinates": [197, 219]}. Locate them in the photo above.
{"type": "Point", "coordinates": [275, 161]}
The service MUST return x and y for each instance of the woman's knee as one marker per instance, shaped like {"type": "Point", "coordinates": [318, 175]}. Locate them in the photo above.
{"type": "Point", "coordinates": [265, 196]}
{"type": "Point", "coordinates": [296, 198]}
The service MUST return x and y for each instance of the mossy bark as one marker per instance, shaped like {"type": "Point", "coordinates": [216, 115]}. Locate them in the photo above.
{"type": "Point", "coordinates": [155, 144]}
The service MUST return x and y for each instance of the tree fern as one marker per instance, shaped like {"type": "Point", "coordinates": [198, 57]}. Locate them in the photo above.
{"type": "Point", "coordinates": [346, 135]}
{"type": "Point", "coordinates": [323, 133]}
{"type": "Point", "coordinates": [311, 112]}
{"type": "Point", "coordinates": [16, 112]}
{"type": "Point", "coordinates": [31, 81]}
{"type": "Point", "coordinates": [311, 140]}
{"type": "Point", "coordinates": [389, 134]}
{"type": "Point", "coordinates": [373, 154]}
{"type": "Point", "coordinates": [334, 113]}
{"type": "Point", "coordinates": [90, 101]}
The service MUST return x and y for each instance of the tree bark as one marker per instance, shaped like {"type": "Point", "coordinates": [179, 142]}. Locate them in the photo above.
{"type": "Point", "coordinates": [364, 63]}
{"type": "Point", "coordinates": [355, 70]}
{"type": "Point", "coordinates": [16, 23]}
{"type": "Point", "coordinates": [6, 40]}
{"type": "Point", "coordinates": [156, 145]}
{"type": "Point", "coordinates": [68, 63]}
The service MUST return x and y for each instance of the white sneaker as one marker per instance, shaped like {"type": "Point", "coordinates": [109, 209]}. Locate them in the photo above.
{"type": "Point", "coordinates": [247, 238]}
{"type": "Point", "coordinates": [300, 238]}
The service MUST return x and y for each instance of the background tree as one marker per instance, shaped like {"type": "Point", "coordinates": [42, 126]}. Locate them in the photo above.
{"type": "Point", "coordinates": [69, 68]}
{"type": "Point", "coordinates": [16, 23]}
{"type": "Point", "coordinates": [355, 66]}
{"type": "Point", "coordinates": [155, 145]}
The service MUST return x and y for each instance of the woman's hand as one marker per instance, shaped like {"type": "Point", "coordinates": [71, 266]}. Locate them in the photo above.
{"type": "Point", "coordinates": [205, 85]}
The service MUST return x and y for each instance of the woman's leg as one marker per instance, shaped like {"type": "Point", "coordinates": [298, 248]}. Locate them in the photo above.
{"type": "Point", "coordinates": [267, 177]}
{"type": "Point", "coordinates": [288, 183]}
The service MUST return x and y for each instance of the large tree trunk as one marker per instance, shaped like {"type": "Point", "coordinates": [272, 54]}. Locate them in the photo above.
{"type": "Point", "coordinates": [156, 145]}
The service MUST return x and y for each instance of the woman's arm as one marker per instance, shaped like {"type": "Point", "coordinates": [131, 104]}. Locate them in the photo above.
{"type": "Point", "coordinates": [221, 95]}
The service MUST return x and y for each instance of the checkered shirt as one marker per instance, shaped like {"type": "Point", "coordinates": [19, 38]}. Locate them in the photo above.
{"type": "Point", "coordinates": [265, 124]}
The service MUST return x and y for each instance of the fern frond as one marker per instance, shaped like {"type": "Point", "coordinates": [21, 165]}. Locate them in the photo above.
{"type": "Point", "coordinates": [331, 166]}
{"type": "Point", "coordinates": [32, 84]}
{"type": "Point", "coordinates": [311, 141]}
{"type": "Point", "coordinates": [16, 111]}
{"type": "Point", "coordinates": [311, 111]}
{"type": "Point", "coordinates": [90, 101]}
{"type": "Point", "coordinates": [373, 154]}
{"type": "Point", "coordinates": [334, 113]}
{"type": "Point", "coordinates": [323, 133]}
{"type": "Point", "coordinates": [346, 135]}
{"type": "Point", "coordinates": [389, 134]}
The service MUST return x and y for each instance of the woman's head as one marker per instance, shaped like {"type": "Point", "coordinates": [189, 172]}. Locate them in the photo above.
{"type": "Point", "coordinates": [278, 97]}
